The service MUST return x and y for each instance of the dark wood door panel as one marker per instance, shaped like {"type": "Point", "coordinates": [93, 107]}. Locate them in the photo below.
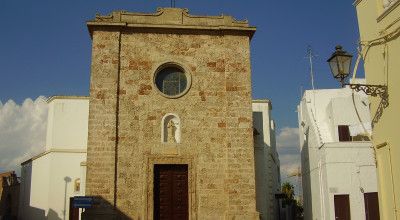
{"type": "Point", "coordinates": [171, 192]}
{"type": "Point", "coordinates": [73, 212]}
{"type": "Point", "coordinates": [342, 207]}
{"type": "Point", "coordinates": [371, 206]}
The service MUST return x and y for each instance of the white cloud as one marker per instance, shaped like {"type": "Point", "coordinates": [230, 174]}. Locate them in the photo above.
{"type": "Point", "coordinates": [22, 131]}
{"type": "Point", "coordinates": [288, 137]}
{"type": "Point", "coordinates": [289, 155]}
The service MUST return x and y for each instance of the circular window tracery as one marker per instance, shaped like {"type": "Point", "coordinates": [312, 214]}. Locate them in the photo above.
{"type": "Point", "coordinates": [172, 81]}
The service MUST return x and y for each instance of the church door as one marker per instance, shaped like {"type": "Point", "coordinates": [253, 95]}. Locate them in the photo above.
{"type": "Point", "coordinates": [171, 192]}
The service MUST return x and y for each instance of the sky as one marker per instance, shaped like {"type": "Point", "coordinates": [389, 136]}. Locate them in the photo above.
{"type": "Point", "coordinates": [45, 50]}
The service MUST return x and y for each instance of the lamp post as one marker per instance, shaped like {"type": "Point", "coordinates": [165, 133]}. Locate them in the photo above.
{"type": "Point", "coordinates": [340, 63]}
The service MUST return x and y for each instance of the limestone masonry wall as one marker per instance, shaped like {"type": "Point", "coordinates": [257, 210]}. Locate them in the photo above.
{"type": "Point", "coordinates": [215, 115]}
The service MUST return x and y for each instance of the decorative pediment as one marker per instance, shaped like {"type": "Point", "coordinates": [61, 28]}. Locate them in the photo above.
{"type": "Point", "coordinates": [173, 18]}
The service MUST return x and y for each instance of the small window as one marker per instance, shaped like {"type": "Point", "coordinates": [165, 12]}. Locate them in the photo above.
{"type": "Point", "coordinates": [344, 133]}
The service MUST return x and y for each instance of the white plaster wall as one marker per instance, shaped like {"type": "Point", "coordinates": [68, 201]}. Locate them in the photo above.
{"type": "Point", "coordinates": [67, 123]}
{"type": "Point", "coordinates": [343, 112]}
{"type": "Point", "coordinates": [45, 193]}
{"type": "Point", "coordinates": [263, 124]}
{"type": "Point", "coordinates": [330, 167]}
{"type": "Point", "coordinates": [40, 183]}
{"type": "Point", "coordinates": [352, 172]}
{"type": "Point", "coordinates": [64, 166]}
{"type": "Point", "coordinates": [314, 189]}
{"type": "Point", "coordinates": [332, 107]}
{"type": "Point", "coordinates": [266, 162]}
{"type": "Point", "coordinates": [310, 158]}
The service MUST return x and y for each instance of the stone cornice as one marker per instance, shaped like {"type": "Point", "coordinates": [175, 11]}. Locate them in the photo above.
{"type": "Point", "coordinates": [170, 18]}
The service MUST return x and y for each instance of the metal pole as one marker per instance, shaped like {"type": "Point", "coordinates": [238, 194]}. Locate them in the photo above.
{"type": "Point", "coordinates": [310, 56]}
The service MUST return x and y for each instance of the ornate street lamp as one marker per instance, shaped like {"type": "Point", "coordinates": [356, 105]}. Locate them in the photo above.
{"type": "Point", "coordinates": [340, 63]}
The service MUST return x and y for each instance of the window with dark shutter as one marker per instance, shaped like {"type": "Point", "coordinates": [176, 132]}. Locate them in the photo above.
{"type": "Point", "coordinates": [344, 133]}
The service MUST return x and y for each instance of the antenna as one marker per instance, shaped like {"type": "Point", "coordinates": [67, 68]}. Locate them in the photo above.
{"type": "Point", "coordinates": [301, 92]}
{"type": "Point", "coordinates": [310, 56]}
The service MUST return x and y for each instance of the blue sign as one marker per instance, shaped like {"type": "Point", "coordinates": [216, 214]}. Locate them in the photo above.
{"type": "Point", "coordinates": [83, 202]}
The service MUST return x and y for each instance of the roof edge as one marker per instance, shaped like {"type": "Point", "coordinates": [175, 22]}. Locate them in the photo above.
{"type": "Point", "coordinates": [265, 101]}
{"type": "Point", "coordinates": [51, 98]}
{"type": "Point", "coordinates": [54, 151]}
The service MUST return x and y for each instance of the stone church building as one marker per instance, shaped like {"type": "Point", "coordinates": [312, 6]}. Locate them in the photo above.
{"type": "Point", "coordinates": [170, 131]}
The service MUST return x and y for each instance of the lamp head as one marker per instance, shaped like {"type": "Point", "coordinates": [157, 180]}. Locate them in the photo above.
{"type": "Point", "coordinates": [340, 63]}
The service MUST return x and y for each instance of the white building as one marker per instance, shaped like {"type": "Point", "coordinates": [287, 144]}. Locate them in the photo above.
{"type": "Point", "coordinates": [338, 165]}
{"type": "Point", "coordinates": [50, 179]}
{"type": "Point", "coordinates": [266, 160]}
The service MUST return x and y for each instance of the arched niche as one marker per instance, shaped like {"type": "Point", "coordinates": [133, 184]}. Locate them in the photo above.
{"type": "Point", "coordinates": [171, 129]}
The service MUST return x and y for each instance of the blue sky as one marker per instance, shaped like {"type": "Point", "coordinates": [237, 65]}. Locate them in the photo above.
{"type": "Point", "coordinates": [45, 45]}
{"type": "Point", "coordinates": [45, 50]}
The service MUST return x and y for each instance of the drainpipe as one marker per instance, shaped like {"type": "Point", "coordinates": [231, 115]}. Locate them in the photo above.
{"type": "Point", "coordinates": [117, 122]}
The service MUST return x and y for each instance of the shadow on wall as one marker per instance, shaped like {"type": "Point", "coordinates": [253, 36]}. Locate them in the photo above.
{"type": "Point", "coordinates": [28, 212]}
{"type": "Point", "coordinates": [52, 215]}
{"type": "Point", "coordinates": [103, 210]}
{"type": "Point", "coordinates": [67, 179]}
{"type": "Point", "coordinates": [39, 214]}
{"type": "Point", "coordinates": [305, 170]}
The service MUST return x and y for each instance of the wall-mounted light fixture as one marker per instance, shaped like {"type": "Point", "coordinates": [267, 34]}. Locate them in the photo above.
{"type": "Point", "coordinates": [340, 63]}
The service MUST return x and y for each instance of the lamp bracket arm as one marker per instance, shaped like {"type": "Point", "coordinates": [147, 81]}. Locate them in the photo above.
{"type": "Point", "coordinates": [372, 90]}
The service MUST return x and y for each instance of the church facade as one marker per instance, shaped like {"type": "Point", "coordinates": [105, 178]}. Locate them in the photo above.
{"type": "Point", "coordinates": [170, 132]}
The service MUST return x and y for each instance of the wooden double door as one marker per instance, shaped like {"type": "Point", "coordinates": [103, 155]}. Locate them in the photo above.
{"type": "Point", "coordinates": [171, 192]}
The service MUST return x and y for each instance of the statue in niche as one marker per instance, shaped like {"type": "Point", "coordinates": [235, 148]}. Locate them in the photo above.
{"type": "Point", "coordinates": [171, 131]}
